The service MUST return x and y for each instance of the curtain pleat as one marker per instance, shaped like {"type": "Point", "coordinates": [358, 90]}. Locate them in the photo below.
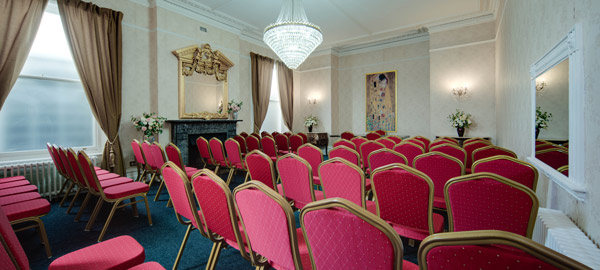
{"type": "Point", "coordinates": [285, 77]}
{"type": "Point", "coordinates": [262, 73]}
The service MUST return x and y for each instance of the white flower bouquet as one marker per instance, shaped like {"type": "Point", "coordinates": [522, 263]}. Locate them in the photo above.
{"type": "Point", "coordinates": [460, 119]}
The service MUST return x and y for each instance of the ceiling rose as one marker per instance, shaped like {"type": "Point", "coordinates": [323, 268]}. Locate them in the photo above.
{"type": "Point", "coordinates": [292, 37]}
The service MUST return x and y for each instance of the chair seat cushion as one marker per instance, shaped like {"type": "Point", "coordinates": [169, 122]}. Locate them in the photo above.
{"type": "Point", "coordinates": [467, 170]}
{"type": "Point", "coordinates": [189, 173]}
{"type": "Point", "coordinates": [120, 252]}
{"type": "Point", "coordinates": [367, 184]}
{"type": "Point", "coordinates": [406, 265]}
{"type": "Point", "coordinates": [316, 180]}
{"type": "Point", "coordinates": [125, 190]}
{"type": "Point", "coordinates": [318, 196]}
{"type": "Point", "coordinates": [14, 184]}
{"type": "Point", "coordinates": [21, 197]}
{"type": "Point", "coordinates": [371, 207]}
{"type": "Point", "coordinates": [101, 172]}
{"type": "Point", "coordinates": [26, 209]}
{"type": "Point", "coordinates": [12, 178]}
{"type": "Point", "coordinates": [17, 190]}
{"type": "Point", "coordinates": [97, 168]}
{"type": "Point", "coordinates": [239, 165]}
{"type": "Point", "coordinates": [274, 159]}
{"type": "Point", "coordinates": [115, 181]}
{"type": "Point", "coordinates": [148, 266]}
{"type": "Point", "coordinates": [439, 202]}
{"type": "Point", "coordinates": [108, 176]}
{"type": "Point", "coordinates": [418, 234]}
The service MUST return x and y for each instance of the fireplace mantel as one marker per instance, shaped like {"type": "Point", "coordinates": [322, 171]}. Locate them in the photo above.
{"type": "Point", "coordinates": [184, 133]}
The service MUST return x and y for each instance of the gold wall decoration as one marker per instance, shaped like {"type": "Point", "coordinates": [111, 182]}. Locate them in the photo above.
{"type": "Point", "coordinates": [204, 61]}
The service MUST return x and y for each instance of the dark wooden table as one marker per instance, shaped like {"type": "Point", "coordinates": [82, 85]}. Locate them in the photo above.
{"type": "Point", "coordinates": [319, 139]}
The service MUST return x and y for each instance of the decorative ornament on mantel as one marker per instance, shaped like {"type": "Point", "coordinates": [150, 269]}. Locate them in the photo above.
{"type": "Point", "coordinates": [310, 122]}
{"type": "Point", "coordinates": [292, 37]}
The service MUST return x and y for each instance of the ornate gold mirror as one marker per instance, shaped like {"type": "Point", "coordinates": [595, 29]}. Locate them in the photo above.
{"type": "Point", "coordinates": [202, 75]}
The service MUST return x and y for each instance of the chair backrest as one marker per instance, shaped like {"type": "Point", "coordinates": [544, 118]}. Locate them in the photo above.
{"type": "Point", "coordinates": [269, 225]}
{"type": "Point", "coordinates": [75, 171]}
{"type": "Point", "coordinates": [242, 142]}
{"type": "Point", "coordinates": [180, 191]}
{"type": "Point", "coordinates": [380, 132]}
{"type": "Point", "coordinates": [477, 139]}
{"type": "Point", "coordinates": [295, 142]}
{"type": "Point", "coordinates": [404, 196]}
{"type": "Point", "coordinates": [502, 250]}
{"type": "Point", "coordinates": [395, 139]}
{"type": "Point", "coordinates": [174, 155]}
{"type": "Point", "coordinates": [347, 135]}
{"type": "Point", "coordinates": [158, 154]}
{"type": "Point", "coordinates": [366, 242]}
{"type": "Point", "coordinates": [439, 142]}
{"type": "Point", "coordinates": [440, 168]}
{"type": "Point", "coordinates": [253, 143]}
{"type": "Point", "coordinates": [343, 179]}
{"type": "Point", "coordinates": [61, 165]}
{"type": "Point", "coordinates": [296, 178]}
{"type": "Point", "coordinates": [539, 147]}
{"type": "Point", "coordinates": [383, 157]}
{"type": "Point", "coordinates": [137, 152]}
{"type": "Point", "coordinates": [265, 134]}
{"type": "Point", "coordinates": [304, 137]}
{"type": "Point", "coordinates": [486, 201]}
{"type": "Point", "coordinates": [12, 255]}
{"type": "Point", "coordinates": [509, 167]}
{"type": "Point", "coordinates": [244, 134]}
{"type": "Point", "coordinates": [554, 157]}
{"type": "Point", "coordinates": [417, 142]}
{"type": "Point", "coordinates": [344, 142]}
{"type": "Point", "coordinates": [313, 155]}
{"type": "Point", "coordinates": [470, 148]}
{"type": "Point", "coordinates": [425, 142]}
{"type": "Point", "coordinates": [346, 153]}
{"type": "Point", "coordinates": [452, 150]}
{"type": "Point", "coordinates": [268, 146]}
{"type": "Point", "coordinates": [89, 174]}
{"type": "Point", "coordinates": [490, 151]}
{"type": "Point", "coordinates": [288, 134]}
{"type": "Point", "coordinates": [409, 150]}
{"type": "Point", "coordinates": [451, 140]}
{"type": "Point", "coordinates": [218, 152]}
{"type": "Point", "coordinates": [204, 150]}
{"type": "Point", "coordinates": [147, 153]}
{"type": "Point", "coordinates": [282, 142]}
{"type": "Point", "coordinates": [261, 168]}
{"type": "Point", "coordinates": [218, 210]}
{"type": "Point", "coordinates": [255, 134]}
{"type": "Point", "coordinates": [373, 136]}
{"type": "Point", "coordinates": [234, 153]}
{"type": "Point", "coordinates": [366, 149]}
{"type": "Point", "coordinates": [389, 144]}
{"type": "Point", "coordinates": [358, 141]}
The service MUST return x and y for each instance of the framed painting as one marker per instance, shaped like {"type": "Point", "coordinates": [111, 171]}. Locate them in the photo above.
{"type": "Point", "coordinates": [381, 101]}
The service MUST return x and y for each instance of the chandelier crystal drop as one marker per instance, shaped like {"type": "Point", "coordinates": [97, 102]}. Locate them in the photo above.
{"type": "Point", "coordinates": [292, 37]}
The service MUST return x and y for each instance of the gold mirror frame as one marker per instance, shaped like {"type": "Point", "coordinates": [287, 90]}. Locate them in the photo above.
{"type": "Point", "coordinates": [202, 60]}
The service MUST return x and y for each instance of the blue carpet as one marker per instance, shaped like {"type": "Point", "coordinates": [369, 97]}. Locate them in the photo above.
{"type": "Point", "coordinates": [161, 241]}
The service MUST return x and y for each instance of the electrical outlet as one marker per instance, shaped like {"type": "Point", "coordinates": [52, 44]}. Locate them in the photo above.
{"type": "Point", "coordinates": [131, 163]}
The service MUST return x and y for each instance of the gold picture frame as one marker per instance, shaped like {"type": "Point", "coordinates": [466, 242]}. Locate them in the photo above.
{"type": "Point", "coordinates": [381, 101]}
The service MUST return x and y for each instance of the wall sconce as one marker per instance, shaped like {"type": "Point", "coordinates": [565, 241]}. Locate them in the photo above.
{"type": "Point", "coordinates": [312, 100]}
{"type": "Point", "coordinates": [460, 92]}
{"type": "Point", "coordinates": [539, 87]}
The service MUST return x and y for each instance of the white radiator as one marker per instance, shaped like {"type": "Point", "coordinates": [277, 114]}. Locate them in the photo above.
{"type": "Point", "coordinates": [555, 230]}
{"type": "Point", "coordinates": [41, 173]}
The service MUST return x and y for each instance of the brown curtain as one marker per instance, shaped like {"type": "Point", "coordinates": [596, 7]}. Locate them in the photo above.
{"type": "Point", "coordinates": [94, 36]}
{"type": "Point", "coordinates": [285, 76]}
{"type": "Point", "coordinates": [19, 22]}
{"type": "Point", "coordinates": [262, 73]}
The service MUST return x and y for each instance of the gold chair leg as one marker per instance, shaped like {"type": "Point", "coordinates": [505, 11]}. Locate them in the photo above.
{"type": "Point", "coordinates": [73, 200]}
{"type": "Point", "coordinates": [152, 179]}
{"type": "Point", "coordinates": [83, 206]}
{"type": "Point", "coordinates": [182, 247]}
{"type": "Point", "coordinates": [260, 267]}
{"type": "Point", "coordinates": [110, 216]}
{"type": "Point", "coordinates": [217, 169]}
{"type": "Point", "coordinates": [63, 187]}
{"type": "Point", "coordinates": [169, 203]}
{"type": "Point", "coordinates": [66, 194]}
{"type": "Point", "coordinates": [214, 255]}
{"type": "Point", "coordinates": [44, 237]}
{"type": "Point", "coordinates": [90, 223]}
{"type": "Point", "coordinates": [162, 184]}
{"type": "Point", "coordinates": [134, 207]}
{"type": "Point", "coordinates": [247, 176]}
{"type": "Point", "coordinates": [147, 210]}
{"type": "Point", "coordinates": [231, 170]}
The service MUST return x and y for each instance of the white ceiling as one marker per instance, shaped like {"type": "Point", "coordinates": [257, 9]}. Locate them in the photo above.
{"type": "Point", "coordinates": [346, 22]}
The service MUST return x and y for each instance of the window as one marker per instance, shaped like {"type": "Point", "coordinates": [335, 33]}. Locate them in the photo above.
{"type": "Point", "coordinates": [274, 118]}
{"type": "Point", "coordinates": [47, 102]}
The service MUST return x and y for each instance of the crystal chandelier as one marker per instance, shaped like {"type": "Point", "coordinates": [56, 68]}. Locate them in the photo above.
{"type": "Point", "coordinates": [292, 37]}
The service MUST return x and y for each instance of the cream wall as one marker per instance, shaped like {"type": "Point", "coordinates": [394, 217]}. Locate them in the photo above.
{"type": "Point", "coordinates": [527, 31]}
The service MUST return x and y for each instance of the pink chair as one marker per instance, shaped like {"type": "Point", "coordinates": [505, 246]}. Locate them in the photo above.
{"type": "Point", "coordinates": [346, 143]}
{"type": "Point", "coordinates": [235, 160]}
{"type": "Point", "coordinates": [404, 198]}
{"type": "Point", "coordinates": [409, 150]}
{"type": "Point", "coordinates": [283, 145]}
{"type": "Point", "coordinates": [314, 157]}
{"type": "Point", "coordinates": [366, 149]}
{"type": "Point", "coordinates": [486, 201]}
{"type": "Point", "coordinates": [253, 143]}
{"type": "Point", "coordinates": [160, 158]}
{"type": "Point", "coordinates": [395, 139]}
{"type": "Point", "coordinates": [369, 243]}
{"type": "Point", "coordinates": [358, 141]}
{"type": "Point", "coordinates": [477, 139]}
{"type": "Point", "coordinates": [297, 180]}
{"type": "Point", "coordinates": [152, 166]}
{"type": "Point", "coordinates": [440, 168]}
{"type": "Point", "coordinates": [343, 179]}
{"type": "Point", "coordinates": [417, 142]}
{"type": "Point", "coordinates": [140, 159]}
{"type": "Point", "coordinates": [295, 142]}
{"type": "Point", "coordinates": [439, 142]}
{"type": "Point", "coordinates": [389, 144]}
{"type": "Point", "coordinates": [564, 170]}
{"type": "Point", "coordinates": [204, 151]}
{"type": "Point", "coordinates": [451, 150]}
{"type": "Point", "coordinates": [260, 167]}
{"type": "Point", "coordinates": [383, 157]}
{"type": "Point", "coordinates": [347, 135]}
{"type": "Point", "coordinates": [373, 136]}
{"type": "Point", "coordinates": [218, 210]}
{"type": "Point", "coordinates": [269, 147]}
{"type": "Point", "coordinates": [509, 167]}
{"type": "Point", "coordinates": [470, 148]}
{"type": "Point", "coordinates": [114, 194]}
{"type": "Point", "coordinates": [450, 140]}
{"type": "Point", "coordinates": [60, 169]}
{"type": "Point", "coordinates": [265, 134]}
{"type": "Point", "coordinates": [255, 134]}
{"type": "Point", "coordinates": [490, 151]}
{"type": "Point", "coordinates": [304, 137]}
{"type": "Point", "coordinates": [489, 249]}
{"type": "Point", "coordinates": [180, 190]}
{"type": "Point", "coordinates": [288, 134]}
{"type": "Point", "coordinates": [345, 153]}
{"type": "Point", "coordinates": [242, 142]}
{"type": "Point", "coordinates": [174, 155]}
{"type": "Point", "coordinates": [539, 147]}
{"type": "Point", "coordinates": [380, 132]}
{"type": "Point", "coordinates": [244, 134]}
{"type": "Point", "coordinates": [425, 142]}
{"type": "Point", "coordinates": [218, 153]}
{"type": "Point", "coordinates": [555, 157]}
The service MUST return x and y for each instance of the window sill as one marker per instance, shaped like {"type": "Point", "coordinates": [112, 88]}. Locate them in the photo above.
{"type": "Point", "coordinates": [26, 157]}
{"type": "Point", "coordinates": [576, 190]}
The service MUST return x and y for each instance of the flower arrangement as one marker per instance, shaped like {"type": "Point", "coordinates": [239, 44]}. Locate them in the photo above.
{"type": "Point", "coordinates": [542, 118]}
{"type": "Point", "coordinates": [234, 106]}
{"type": "Point", "coordinates": [148, 123]}
{"type": "Point", "coordinates": [460, 119]}
{"type": "Point", "coordinates": [311, 121]}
